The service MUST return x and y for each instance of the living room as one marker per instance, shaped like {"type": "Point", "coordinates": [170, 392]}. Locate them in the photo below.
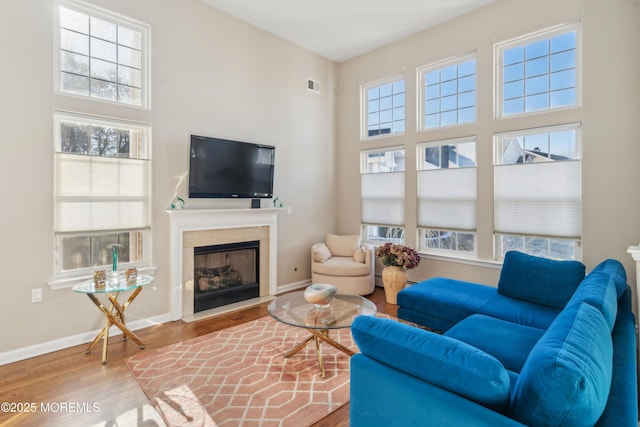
{"type": "Point", "coordinates": [215, 75]}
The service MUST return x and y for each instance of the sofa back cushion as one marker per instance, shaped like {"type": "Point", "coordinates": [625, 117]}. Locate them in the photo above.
{"type": "Point", "coordinates": [343, 245]}
{"type": "Point", "coordinates": [565, 381]}
{"type": "Point", "coordinates": [617, 273]}
{"type": "Point", "coordinates": [437, 359]}
{"type": "Point", "coordinates": [598, 290]}
{"type": "Point", "coordinates": [539, 280]}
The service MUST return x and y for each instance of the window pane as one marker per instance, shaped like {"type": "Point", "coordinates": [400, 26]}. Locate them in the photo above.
{"type": "Point", "coordinates": [448, 90]}
{"type": "Point", "coordinates": [385, 109]}
{"type": "Point", "coordinates": [101, 48]}
{"type": "Point", "coordinates": [539, 75]}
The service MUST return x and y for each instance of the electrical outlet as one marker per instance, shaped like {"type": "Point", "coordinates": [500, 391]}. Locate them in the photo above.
{"type": "Point", "coordinates": [36, 295]}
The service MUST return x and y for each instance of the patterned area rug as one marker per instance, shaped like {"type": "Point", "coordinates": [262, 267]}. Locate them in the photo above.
{"type": "Point", "coordinates": [239, 377]}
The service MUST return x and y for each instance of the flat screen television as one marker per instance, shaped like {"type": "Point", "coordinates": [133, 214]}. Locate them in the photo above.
{"type": "Point", "coordinates": [222, 168]}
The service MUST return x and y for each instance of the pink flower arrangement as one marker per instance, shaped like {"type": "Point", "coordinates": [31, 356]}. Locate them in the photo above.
{"type": "Point", "coordinates": [398, 255]}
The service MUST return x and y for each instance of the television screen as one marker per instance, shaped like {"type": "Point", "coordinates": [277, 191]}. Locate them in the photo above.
{"type": "Point", "coordinates": [221, 168]}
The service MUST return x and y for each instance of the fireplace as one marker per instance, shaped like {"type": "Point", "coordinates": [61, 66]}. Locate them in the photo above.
{"type": "Point", "coordinates": [225, 274]}
{"type": "Point", "coordinates": [192, 228]}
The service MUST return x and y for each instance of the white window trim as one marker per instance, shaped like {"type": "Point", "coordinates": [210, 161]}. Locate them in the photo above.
{"type": "Point", "coordinates": [109, 16]}
{"type": "Point", "coordinates": [67, 279]}
{"type": "Point", "coordinates": [422, 70]}
{"type": "Point", "coordinates": [529, 38]}
{"type": "Point", "coordinates": [364, 107]}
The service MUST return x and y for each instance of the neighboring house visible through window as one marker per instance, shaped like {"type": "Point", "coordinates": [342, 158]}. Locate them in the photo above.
{"type": "Point", "coordinates": [448, 93]}
{"type": "Point", "coordinates": [537, 192]}
{"type": "Point", "coordinates": [382, 194]}
{"type": "Point", "coordinates": [447, 196]}
{"type": "Point", "coordinates": [383, 108]}
{"type": "Point", "coordinates": [101, 55]}
{"type": "Point", "coordinates": [101, 191]}
{"type": "Point", "coordinates": [539, 72]}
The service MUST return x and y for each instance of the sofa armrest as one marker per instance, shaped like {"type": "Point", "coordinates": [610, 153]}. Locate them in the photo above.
{"type": "Point", "coordinates": [437, 359]}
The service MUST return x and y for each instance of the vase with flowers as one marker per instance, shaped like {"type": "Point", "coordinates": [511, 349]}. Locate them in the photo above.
{"type": "Point", "coordinates": [397, 259]}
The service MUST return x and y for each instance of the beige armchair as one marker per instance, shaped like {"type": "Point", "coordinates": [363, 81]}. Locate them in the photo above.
{"type": "Point", "coordinates": [344, 262]}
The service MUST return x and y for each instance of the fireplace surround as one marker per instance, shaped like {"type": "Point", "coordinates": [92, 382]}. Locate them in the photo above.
{"type": "Point", "coordinates": [191, 228]}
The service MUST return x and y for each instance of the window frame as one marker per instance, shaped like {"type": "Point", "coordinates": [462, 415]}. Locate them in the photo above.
{"type": "Point", "coordinates": [421, 98]}
{"type": "Point", "coordinates": [533, 37]}
{"type": "Point", "coordinates": [498, 162]}
{"type": "Point", "coordinates": [364, 107]}
{"type": "Point", "coordinates": [114, 18]}
{"type": "Point", "coordinates": [399, 174]}
{"type": "Point", "coordinates": [423, 230]}
{"type": "Point", "coordinates": [144, 239]}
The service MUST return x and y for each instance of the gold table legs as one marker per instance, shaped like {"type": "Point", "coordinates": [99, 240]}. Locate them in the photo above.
{"type": "Point", "coordinates": [318, 335]}
{"type": "Point", "coordinates": [115, 316]}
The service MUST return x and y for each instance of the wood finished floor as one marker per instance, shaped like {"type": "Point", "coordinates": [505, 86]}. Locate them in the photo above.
{"type": "Point", "coordinates": [71, 376]}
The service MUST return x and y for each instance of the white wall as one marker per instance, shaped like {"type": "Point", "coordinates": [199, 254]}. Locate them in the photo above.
{"type": "Point", "coordinates": [211, 75]}
{"type": "Point", "coordinates": [610, 120]}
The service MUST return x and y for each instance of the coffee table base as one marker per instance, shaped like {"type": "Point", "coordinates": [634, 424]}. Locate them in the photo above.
{"type": "Point", "coordinates": [318, 335]}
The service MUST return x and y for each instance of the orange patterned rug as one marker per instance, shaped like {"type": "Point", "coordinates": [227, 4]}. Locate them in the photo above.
{"type": "Point", "coordinates": [239, 377]}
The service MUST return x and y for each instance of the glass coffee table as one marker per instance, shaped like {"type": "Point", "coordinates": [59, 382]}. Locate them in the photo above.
{"type": "Point", "coordinates": [294, 310]}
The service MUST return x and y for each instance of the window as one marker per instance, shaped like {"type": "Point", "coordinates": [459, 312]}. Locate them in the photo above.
{"type": "Point", "coordinates": [447, 195]}
{"type": "Point", "coordinates": [448, 93]}
{"type": "Point", "coordinates": [383, 108]}
{"type": "Point", "coordinates": [101, 55]}
{"type": "Point", "coordinates": [538, 73]}
{"type": "Point", "coordinates": [537, 191]}
{"type": "Point", "coordinates": [382, 193]}
{"type": "Point", "coordinates": [101, 192]}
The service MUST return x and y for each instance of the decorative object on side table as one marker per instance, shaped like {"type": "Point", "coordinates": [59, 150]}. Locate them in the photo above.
{"type": "Point", "coordinates": [100, 279]}
{"type": "Point", "coordinates": [319, 294]}
{"type": "Point", "coordinates": [397, 260]}
{"type": "Point", "coordinates": [131, 275]}
{"type": "Point", "coordinates": [114, 277]}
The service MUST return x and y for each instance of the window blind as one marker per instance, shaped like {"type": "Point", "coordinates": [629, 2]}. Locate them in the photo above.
{"type": "Point", "coordinates": [95, 193]}
{"type": "Point", "coordinates": [383, 198]}
{"type": "Point", "coordinates": [541, 199]}
{"type": "Point", "coordinates": [447, 198]}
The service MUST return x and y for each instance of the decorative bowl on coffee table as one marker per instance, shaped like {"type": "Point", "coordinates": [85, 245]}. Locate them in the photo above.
{"type": "Point", "coordinates": [319, 294]}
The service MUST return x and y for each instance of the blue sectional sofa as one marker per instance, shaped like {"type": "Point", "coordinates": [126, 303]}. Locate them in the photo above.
{"type": "Point", "coordinates": [548, 347]}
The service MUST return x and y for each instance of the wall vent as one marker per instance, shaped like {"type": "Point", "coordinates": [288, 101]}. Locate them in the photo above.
{"type": "Point", "coordinates": [313, 85]}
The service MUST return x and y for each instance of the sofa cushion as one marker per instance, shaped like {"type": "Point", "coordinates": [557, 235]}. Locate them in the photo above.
{"type": "Point", "coordinates": [343, 245]}
{"type": "Point", "coordinates": [342, 266]}
{"type": "Point", "coordinates": [539, 280]}
{"type": "Point", "coordinates": [617, 273]}
{"type": "Point", "coordinates": [508, 342]}
{"type": "Point", "coordinates": [598, 290]}
{"type": "Point", "coordinates": [437, 359]}
{"type": "Point", "coordinates": [320, 252]}
{"type": "Point", "coordinates": [440, 303]}
{"type": "Point", "coordinates": [566, 378]}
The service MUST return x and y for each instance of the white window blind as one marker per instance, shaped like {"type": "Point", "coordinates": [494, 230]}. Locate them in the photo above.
{"type": "Point", "coordinates": [542, 199]}
{"type": "Point", "coordinates": [383, 198]}
{"type": "Point", "coordinates": [102, 175]}
{"type": "Point", "coordinates": [447, 198]}
{"type": "Point", "coordinates": [96, 193]}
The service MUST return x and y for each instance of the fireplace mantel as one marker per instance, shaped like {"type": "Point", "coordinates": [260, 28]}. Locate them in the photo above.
{"type": "Point", "coordinates": [194, 220]}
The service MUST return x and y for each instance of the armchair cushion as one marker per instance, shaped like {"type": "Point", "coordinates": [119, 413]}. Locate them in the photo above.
{"type": "Point", "coordinates": [360, 255]}
{"type": "Point", "coordinates": [343, 245]}
{"type": "Point", "coordinates": [437, 359]}
{"type": "Point", "coordinates": [321, 252]}
{"type": "Point", "coordinates": [341, 266]}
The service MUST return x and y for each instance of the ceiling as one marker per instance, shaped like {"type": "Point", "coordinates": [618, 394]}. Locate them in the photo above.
{"type": "Point", "coordinates": [342, 29]}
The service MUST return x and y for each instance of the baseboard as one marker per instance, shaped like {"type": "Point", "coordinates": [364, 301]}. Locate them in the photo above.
{"type": "Point", "coordinates": [294, 286]}
{"type": "Point", "coordinates": [73, 340]}
{"type": "Point", "coordinates": [86, 337]}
